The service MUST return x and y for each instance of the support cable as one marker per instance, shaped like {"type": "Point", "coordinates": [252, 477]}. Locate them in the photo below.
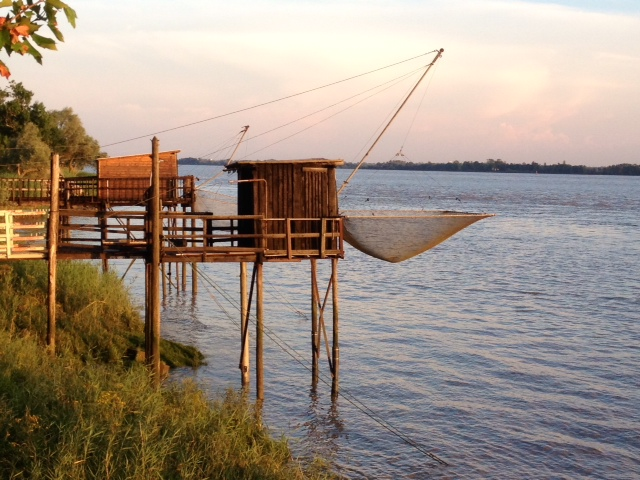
{"type": "Point", "coordinates": [415, 114]}
{"type": "Point", "coordinates": [388, 83]}
{"type": "Point", "coordinates": [265, 103]}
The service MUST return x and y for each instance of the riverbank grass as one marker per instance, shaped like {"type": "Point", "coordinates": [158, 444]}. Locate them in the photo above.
{"type": "Point", "coordinates": [95, 316]}
{"type": "Point", "coordinates": [85, 413]}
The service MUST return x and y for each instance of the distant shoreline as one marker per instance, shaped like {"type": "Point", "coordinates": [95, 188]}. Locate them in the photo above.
{"type": "Point", "coordinates": [497, 166]}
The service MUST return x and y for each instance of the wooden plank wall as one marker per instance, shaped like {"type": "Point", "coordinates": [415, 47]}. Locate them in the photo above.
{"type": "Point", "coordinates": [294, 190]}
{"type": "Point", "coordinates": [127, 179]}
{"type": "Point", "coordinates": [138, 166]}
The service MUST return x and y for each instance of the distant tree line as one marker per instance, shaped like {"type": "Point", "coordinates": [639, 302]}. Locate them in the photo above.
{"type": "Point", "coordinates": [489, 165]}
{"type": "Point", "coordinates": [200, 161]}
{"type": "Point", "coordinates": [492, 165]}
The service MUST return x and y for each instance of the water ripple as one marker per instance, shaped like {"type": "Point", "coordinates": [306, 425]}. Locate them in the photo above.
{"type": "Point", "coordinates": [511, 350]}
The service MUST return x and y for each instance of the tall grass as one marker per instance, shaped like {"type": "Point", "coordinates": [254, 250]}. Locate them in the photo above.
{"type": "Point", "coordinates": [85, 414]}
{"type": "Point", "coordinates": [61, 418]}
{"type": "Point", "coordinates": [95, 316]}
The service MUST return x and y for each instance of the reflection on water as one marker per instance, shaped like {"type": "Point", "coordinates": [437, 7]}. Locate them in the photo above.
{"type": "Point", "coordinates": [322, 428]}
{"type": "Point", "coordinates": [510, 351]}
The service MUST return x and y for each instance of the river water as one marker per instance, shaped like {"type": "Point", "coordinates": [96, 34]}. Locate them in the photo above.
{"type": "Point", "coordinates": [509, 351]}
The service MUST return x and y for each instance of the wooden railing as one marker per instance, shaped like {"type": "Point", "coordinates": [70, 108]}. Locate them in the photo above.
{"type": "Point", "coordinates": [274, 237]}
{"type": "Point", "coordinates": [134, 191]}
{"type": "Point", "coordinates": [23, 190]}
{"type": "Point", "coordinates": [23, 234]}
{"type": "Point", "coordinates": [185, 236]}
{"type": "Point", "coordinates": [123, 233]}
{"type": "Point", "coordinates": [78, 191]}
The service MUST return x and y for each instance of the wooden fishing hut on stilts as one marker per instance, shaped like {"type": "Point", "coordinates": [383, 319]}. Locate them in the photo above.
{"type": "Point", "coordinates": [287, 212]}
{"type": "Point", "coordinates": [298, 205]}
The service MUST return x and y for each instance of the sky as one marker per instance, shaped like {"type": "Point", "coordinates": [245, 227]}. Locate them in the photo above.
{"type": "Point", "coordinates": [521, 81]}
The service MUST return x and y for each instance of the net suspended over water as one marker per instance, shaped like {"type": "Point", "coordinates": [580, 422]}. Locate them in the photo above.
{"type": "Point", "coordinates": [397, 235]}
{"type": "Point", "coordinates": [215, 203]}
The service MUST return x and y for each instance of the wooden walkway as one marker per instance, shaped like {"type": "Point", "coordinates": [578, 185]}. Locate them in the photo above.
{"type": "Point", "coordinates": [185, 237]}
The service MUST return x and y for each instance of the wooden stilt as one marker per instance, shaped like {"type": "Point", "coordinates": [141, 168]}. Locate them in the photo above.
{"type": "Point", "coordinates": [183, 223]}
{"type": "Point", "coordinates": [244, 326]}
{"type": "Point", "coordinates": [184, 276]}
{"type": "Point", "coordinates": [194, 278]}
{"type": "Point", "coordinates": [322, 327]}
{"type": "Point", "coordinates": [53, 252]}
{"type": "Point", "coordinates": [163, 274]}
{"type": "Point", "coordinates": [152, 347]}
{"type": "Point", "coordinates": [147, 307]}
{"type": "Point", "coordinates": [64, 222]}
{"type": "Point", "coordinates": [315, 337]}
{"type": "Point", "coordinates": [194, 265]}
{"type": "Point", "coordinates": [104, 234]}
{"type": "Point", "coordinates": [259, 332]}
{"type": "Point", "coordinates": [335, 384]}
{"type": "Point", "coordinates": [173, 224]}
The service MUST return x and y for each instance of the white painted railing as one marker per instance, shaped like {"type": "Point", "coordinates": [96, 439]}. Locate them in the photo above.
{"type": "Point", "coordinates": [23, 234]}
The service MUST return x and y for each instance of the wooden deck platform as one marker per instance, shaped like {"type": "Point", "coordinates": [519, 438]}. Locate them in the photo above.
{"type": "Point", "coordinates": [186, 237]}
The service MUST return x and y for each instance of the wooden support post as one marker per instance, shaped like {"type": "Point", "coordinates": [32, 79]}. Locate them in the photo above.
{"type": "Point", "coordinates": [323, 236]}
{"type": "Point", "coordinates": [259, 331]}
{"type": "Point", "coordinates": [194, 278]}
{"type": "Point", "coordinates": [244, 326]}
{"type": "Point", "coordinates": [183, 242]}
{"type": "Point", "coordinates": [194, 265]}
{"type": "Point", "coordinates": [53, 252]}
{"type": "Point", "coordinates": [163, 274]}
{"type": "Point", "coordinates": [289, 242]}
{"type": "Point", "coordinates": [315, 337]}
{"type": "Point", "coordinates": [152, 346]}
{"type": "Point", "coordinates": [63, 234]}
{"type": "Point", "coordinates": [147, 307]}
{"type": "Point", "coordinates": [335, 384]}
{"type": "Point", "coordinates": [104, 236]}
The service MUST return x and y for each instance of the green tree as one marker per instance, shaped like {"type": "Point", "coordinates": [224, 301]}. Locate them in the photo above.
{"type": "Point", "coordinates": [61, 130]}
{"type": "Point", "coordinates": [15, 109]}
{"type": "Point", "coordinates": [31, 154]}
{"type": "Point", "coordinates": [15, 101]}
{"type": "Point", "coordinates": [21, 21]}
{"type": "Point", "coordinates": [69, 138]}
